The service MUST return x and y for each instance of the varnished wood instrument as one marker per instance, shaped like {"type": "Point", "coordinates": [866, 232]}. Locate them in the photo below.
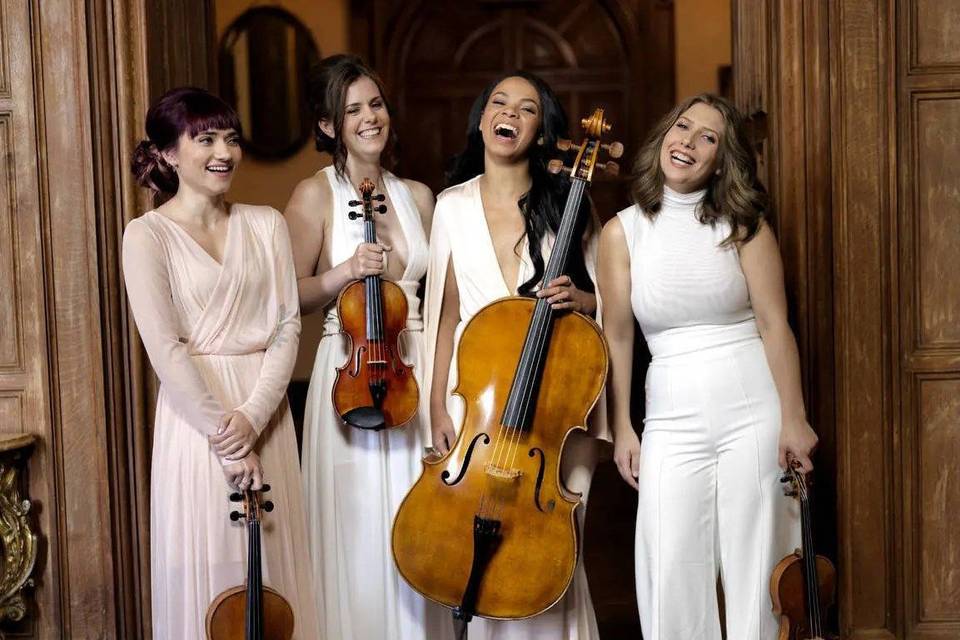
{"type": "Point", "coordinates": [250, 611]}
{"type": "Point", "coordinates": [375, 389]}
{"type": "Point", "coordinates": [803, 584]}
{"type": "Point", "coordinates": [489, 529]}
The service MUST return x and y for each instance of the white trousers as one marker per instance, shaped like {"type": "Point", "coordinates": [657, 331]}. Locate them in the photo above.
{"type": "Point", "coordinates": [711, 503]}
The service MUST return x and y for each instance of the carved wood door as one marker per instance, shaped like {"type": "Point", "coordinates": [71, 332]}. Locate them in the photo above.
{"type": "Point", "coordinates": [592, 53]}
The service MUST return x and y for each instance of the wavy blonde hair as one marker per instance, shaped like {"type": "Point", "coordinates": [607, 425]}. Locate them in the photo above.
{"type": "Point", "coordinates": [735, 195]}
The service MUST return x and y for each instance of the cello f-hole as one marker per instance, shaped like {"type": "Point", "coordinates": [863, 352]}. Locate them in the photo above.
{"type": "Point", "coordinates": [466, 460]}
{"type": "Point", "coordinates": [536, 489]}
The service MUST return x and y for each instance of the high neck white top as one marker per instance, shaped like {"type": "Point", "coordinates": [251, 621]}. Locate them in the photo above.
{"type": "Point", "coordinates": [688, 291]}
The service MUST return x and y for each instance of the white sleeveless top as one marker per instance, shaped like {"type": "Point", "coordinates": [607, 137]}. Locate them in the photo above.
{"type": "Point", "coordinates": [688, 293]}
{"type": "Point", "coordinates": [347, 234]}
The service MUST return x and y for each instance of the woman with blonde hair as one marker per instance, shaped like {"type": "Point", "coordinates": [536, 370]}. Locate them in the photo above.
{"type": "Point", "coordinates": [696, 263]}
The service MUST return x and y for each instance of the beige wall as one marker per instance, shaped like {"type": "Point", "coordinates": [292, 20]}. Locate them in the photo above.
{"type": "Point", "coordinates": [271, 183]}
{"type": "Point", "coordinates": [703, 42]}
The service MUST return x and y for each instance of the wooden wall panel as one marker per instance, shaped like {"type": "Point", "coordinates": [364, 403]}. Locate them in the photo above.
{"type": "Point", "coordinates": [935, 148]}
{"type": "Point", "coordinates": [936, 24]}
{"type": "Point", "coordinates": [937, 598]}
{"type": "Point", "coordinates": [11, 355]}
{"type": "Point", "coordinates": [864, 204]}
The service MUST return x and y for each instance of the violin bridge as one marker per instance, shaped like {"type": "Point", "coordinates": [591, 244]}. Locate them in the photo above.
{"type": "Point", "coordinates": [499, 473]}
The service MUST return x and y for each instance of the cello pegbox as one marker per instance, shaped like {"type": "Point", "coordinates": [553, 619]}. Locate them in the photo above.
{"type": "Point", "coordinates": [609, 167]}
{"type": "Point", "coordinates": [615, 149]}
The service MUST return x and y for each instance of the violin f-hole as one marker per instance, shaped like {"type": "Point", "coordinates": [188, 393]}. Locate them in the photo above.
{"type": "Point", "coordinates": [357, 362]}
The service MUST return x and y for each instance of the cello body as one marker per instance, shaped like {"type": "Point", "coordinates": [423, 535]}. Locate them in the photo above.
{"type": "Point", "coordinates": [534, 560]}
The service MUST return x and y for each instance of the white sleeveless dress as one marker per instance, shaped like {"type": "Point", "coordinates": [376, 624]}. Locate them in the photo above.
{"type": "Point", "coordinates": [460, 234]}
{"type": "Point", "coordinates": [355, 480]}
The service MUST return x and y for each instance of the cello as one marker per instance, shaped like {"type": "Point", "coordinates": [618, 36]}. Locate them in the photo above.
{"type": "Point", "coordinates": [803, 583]}
{"type": "Point", "coordinates": [489, 529]}
{"type": "Point", "coordinates": [375, 388]}
{"type": "Point", "coordinates": [250, 611]}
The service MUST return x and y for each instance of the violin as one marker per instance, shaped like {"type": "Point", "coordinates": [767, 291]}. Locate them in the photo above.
{"type": "Point", "coordinates": [489, 529]}
{"type": "Point", "coordinates": [250, 611]}
{"type": "Point", "coordinates": [803, 584]}
{"type": "Point", "coordinates": [375, 388]}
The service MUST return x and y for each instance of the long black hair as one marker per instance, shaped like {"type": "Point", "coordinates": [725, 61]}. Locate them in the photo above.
{"type": "Point", "coordinates": [543, 205]}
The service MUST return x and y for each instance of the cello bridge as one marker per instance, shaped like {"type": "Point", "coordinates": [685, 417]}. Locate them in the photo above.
{"type": "Point", "coordinates": [499, 473]}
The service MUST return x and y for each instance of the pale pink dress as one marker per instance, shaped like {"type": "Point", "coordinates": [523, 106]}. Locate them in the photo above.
{"type": "Point", "coordinates": [220, 337]}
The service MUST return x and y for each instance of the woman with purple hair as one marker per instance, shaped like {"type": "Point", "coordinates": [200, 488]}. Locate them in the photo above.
{"type": "Point", "coordinates": [213, 292]}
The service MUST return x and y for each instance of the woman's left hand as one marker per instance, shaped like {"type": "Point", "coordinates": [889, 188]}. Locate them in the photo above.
{"type": "Point", "coordinates": [797, 439]}
{"type": "Point", "coordinates": [561, 293]}
{"type": "Point", "coordinates": [235, 437]}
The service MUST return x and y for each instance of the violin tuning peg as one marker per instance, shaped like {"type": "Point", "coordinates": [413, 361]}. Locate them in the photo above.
{"type": "Point", "coordinates": [563, 144]}
{"type": "Point", "coordinates": [265, 488]}
{"type": "Point", "coordinates": [610, 167]}
{"type": "Point", "coordinates": [379, 197]}
{"type": "Point", "coordinates": [615, 149]}
{"type": "Point", "coordinates": [353, 215]}
{"type": "Point", "coordinates": [236, 497]}
{"type": "Point", "coordinates": [354, 203]}
{"type": "Point", "coordinates": [235, 515]}
{"type": "Point", "coordinates": [268, 506]}
{"type": "Point", "coordinates": [381, 209]}
{"type": "Point", "coordinates": [556, 166]}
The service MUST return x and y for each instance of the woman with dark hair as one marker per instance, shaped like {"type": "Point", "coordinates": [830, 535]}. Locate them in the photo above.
{"type": "Point", "coordinates": [491, 238]}
{"type": "Point", "coordinates": [695, 261]}
{"type": "Point", "coordinates": [212, 290]}
{"type": "Point", "coordinates": [354, 479]}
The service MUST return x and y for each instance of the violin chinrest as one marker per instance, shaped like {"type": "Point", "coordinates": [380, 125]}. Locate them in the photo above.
{"type": "Point", "coordinates": [369, 418]}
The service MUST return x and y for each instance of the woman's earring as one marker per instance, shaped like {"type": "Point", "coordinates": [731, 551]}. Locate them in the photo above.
{"type": "Point", "coordinates": [540, 141]}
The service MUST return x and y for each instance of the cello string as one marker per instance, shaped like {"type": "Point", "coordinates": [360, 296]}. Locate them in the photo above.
{"type": "Point", "coordinates": [562, 247]}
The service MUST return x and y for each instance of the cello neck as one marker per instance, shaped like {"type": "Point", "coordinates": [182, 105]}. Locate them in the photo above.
{"type": "Point", "coordinates": [253, 626]}
{"type": "Point", "coordinates": [519, 408]}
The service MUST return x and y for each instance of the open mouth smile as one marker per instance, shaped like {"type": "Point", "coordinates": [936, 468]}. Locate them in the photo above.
{"type": "Point", "coordinates": [506, 131]}
{"type": "Point", "coordinates": [682, 158]}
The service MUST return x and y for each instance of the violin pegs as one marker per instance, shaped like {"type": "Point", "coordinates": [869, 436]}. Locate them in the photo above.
{"type": "Point", "coordinates": [235, 515]}
{"type": "Point", "coordinates": [353, 215]}
{"type": "Point", "coordinates": [379, 197]}
{"type": "Point", "coordinates": [236, 497]}
{"type": "Point", "coordinates": [610, 167]}
{"type": "Point", "coordinates": [556, 166]}
{"type": "Point", "coordinates": [354, 203]}
{"type": "Point", "coordinates": [268, 506]}
{"type": "Point", "coordinates": [615, 149]}
{"type": "Point", "coordinates": [265, 488]}
{"type": "Point", "coordinates": [563, 144]}
{"type": "Point", "coordinates": [381, 209]}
